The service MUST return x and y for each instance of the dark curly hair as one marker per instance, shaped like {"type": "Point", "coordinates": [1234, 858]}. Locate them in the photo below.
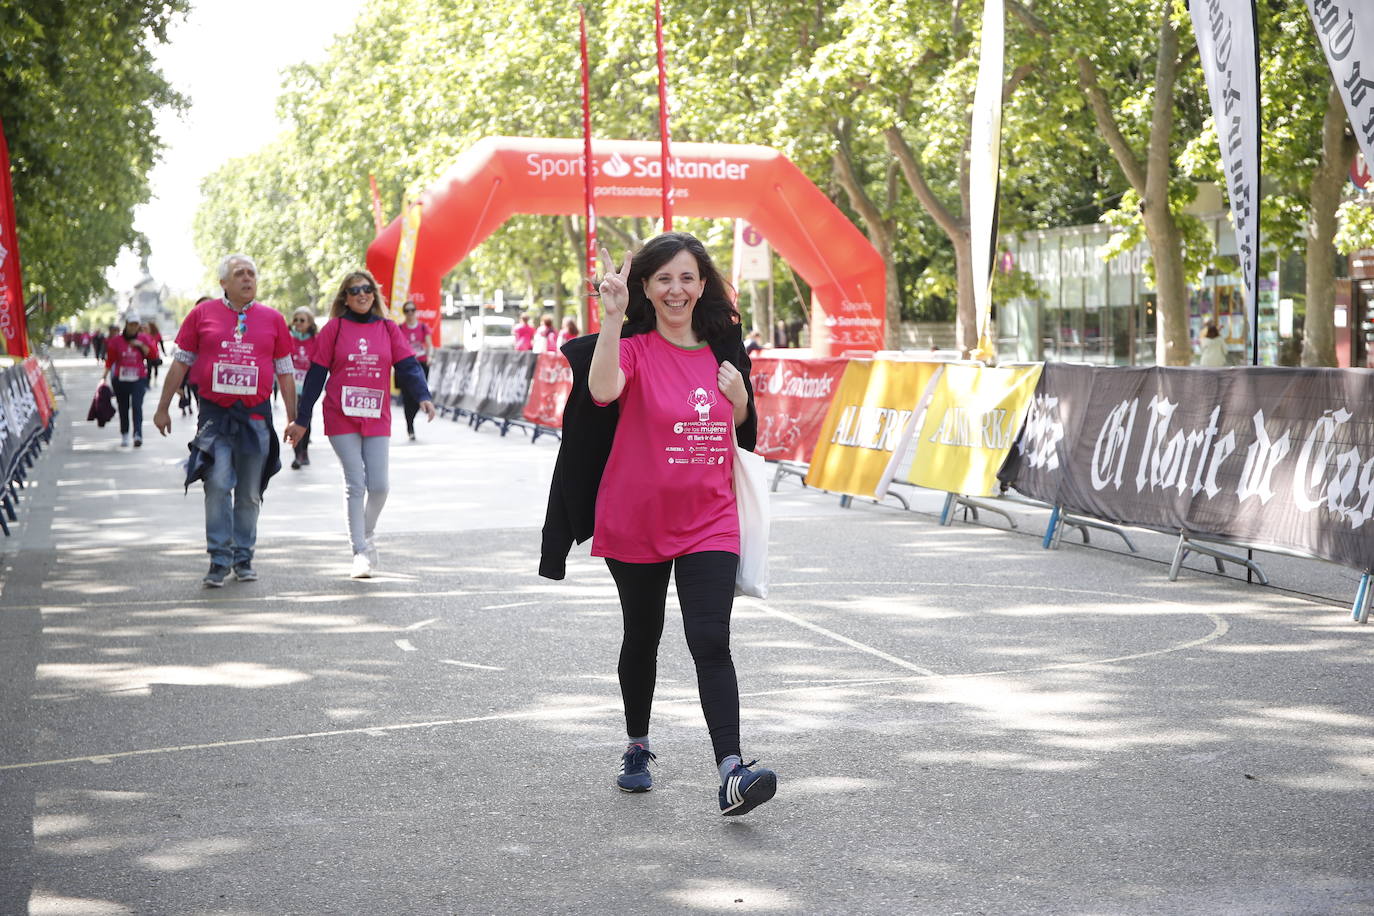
{"type": "Point", "coordinates": [714, 318]}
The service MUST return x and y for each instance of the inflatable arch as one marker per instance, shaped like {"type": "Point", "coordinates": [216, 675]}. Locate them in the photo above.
{"type": "Point", "coordinates": [502, 176]}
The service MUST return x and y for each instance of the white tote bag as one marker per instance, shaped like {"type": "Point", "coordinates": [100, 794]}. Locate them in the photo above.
{"type": "Point", "coordinates": [751, 497]}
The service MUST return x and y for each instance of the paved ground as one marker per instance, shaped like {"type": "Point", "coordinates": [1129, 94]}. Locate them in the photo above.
{"type": "Point", "coordinates": [961, 721]}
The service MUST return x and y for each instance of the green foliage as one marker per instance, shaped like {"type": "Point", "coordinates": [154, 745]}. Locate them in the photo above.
{"type": "Point", "coordinates": [78, 91]}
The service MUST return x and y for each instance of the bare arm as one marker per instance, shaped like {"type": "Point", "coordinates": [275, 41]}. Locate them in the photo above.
{"type": "Point", "coordinates": [606, 380]}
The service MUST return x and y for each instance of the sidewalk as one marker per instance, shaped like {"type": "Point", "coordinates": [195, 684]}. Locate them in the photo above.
{"type": "Point", "coordinates": [961, 721]}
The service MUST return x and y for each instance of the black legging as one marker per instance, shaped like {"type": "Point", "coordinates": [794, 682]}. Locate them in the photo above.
{"type": "Point", "coordinates": [706, 591]}
{"type": "Point", "coordinates": [412, 406]}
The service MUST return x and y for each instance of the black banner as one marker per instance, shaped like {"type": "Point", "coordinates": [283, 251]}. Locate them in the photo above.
{"type": "Point", "coordinates": [1266, 456]}
{"type": "Point", "coordinates": [503, 383]}
{"type": "Point", "coordinates": [19, 419]}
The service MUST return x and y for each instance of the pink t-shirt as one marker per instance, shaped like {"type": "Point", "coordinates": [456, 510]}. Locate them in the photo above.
{"type": "Point", "coordinates": [524, 336]}
{"type": "Point", "coordinates": [126, 362]}
{"type": "Point", "coordinates": [233, 366]}
{"type": "Point", "coordinates": [416, 338]}
{"type": "Point", "coordinates": [667, 490]}
{"type": "Point", "coordinates": [302, 354]}
{"type": "Point", "coordinates": [359, 357]}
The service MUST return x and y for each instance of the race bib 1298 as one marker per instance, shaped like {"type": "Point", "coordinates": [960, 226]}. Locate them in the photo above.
{"type": "Point", "coordinates": [364, 403]}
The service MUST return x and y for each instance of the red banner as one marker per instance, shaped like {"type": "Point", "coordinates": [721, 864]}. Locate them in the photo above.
{"type": "Point", "coordinates": [12, 324]}
{"type": "Point", "coordinates": [593, 308]}
{"type": "Point", "coordinates": [549, 390]}
{"type": "Point", "coordinates": [792, 397]}
{"type": "Point", "coordinates": [663, 119]}
{"type": "Point", "coordinates": [42, 394]}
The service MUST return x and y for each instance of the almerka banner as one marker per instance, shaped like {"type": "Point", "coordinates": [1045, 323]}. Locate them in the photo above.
{"type": "Point", "coordinates": [1271, 457]}
{"type": "Point", "coordinates": [1229, 54]}
{"type": "Point", "coordinates": [792, 397]}
{"type": "Point", "coordinates": [972, 420]}
{"type": "Point", "coordinates": [865, 424]}
{"type": "Point", "coordinates": [1345, 30]}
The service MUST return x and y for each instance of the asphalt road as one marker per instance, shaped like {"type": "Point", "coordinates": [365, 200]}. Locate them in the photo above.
{"type": "Point", "coordinates": [961, 721]}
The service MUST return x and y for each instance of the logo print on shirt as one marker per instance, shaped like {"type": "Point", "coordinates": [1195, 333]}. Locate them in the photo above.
{"type": "Point", "coordinates": [702, 401]}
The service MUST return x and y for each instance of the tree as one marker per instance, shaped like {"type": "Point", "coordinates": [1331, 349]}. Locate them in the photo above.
{"type": "Point", "coordinates": [78, 92]}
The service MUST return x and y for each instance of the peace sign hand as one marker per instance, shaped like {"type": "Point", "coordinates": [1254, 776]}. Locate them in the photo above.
{"type": "Point", "coordinates": [614, 288]}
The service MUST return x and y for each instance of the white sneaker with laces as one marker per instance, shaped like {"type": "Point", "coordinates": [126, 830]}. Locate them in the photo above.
{"type": "Point", "coordinates": [362, 567]}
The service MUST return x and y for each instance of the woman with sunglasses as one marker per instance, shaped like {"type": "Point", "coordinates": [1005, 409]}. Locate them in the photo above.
{"type": "Point", "coordinates": [303, 331]}
{"type": "Point", "coordinates": [354, 357]}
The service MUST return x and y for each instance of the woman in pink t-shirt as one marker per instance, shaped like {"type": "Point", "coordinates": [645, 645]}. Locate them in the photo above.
{"type": "Point", "coordinates": [568, 333]}
{"type": "Point", "coordinates": [352, 364]}
{"type": "Point", "coordinates": [303, 331]}
{"type": "Point", "coordinates": [126, 364]}
{"type": "Point", "coordinates": [666, 501]}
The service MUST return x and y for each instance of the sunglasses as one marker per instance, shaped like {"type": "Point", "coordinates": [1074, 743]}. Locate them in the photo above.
{"type": "Point", "coordinates": [300, 319]}
{"type": "Point", "coordinates": [369, 289]}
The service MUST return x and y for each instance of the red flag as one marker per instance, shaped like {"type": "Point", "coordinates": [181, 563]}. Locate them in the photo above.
{"type": "Point", "coordinates": [663, 119]}
{"type": "Point", "coordinates": [13, 326]}
{"type": "Point", "coordinates": [589, 185]}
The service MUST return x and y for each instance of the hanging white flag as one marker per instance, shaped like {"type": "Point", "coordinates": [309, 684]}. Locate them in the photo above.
{"type": "Point", "coordinates": [1229, 53]}
{"type": "Point", "coordinates": [752, 260]}
{"type": "Point", "coordinates": [985, 160]}
{"type": "Point", "coordinates": [1346, 33]}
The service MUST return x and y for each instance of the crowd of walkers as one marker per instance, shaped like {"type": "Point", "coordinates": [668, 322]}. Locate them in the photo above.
{"type": "Point", "coordinates": [661, 397]}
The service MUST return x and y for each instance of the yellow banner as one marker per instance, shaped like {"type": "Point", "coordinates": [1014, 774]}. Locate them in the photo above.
{"type": "Point", "coordinates": [405, 260]}
{"type": "Point", "coordinates": [872, 407]}
{"type": "Point", "coordinates": [973, 418]}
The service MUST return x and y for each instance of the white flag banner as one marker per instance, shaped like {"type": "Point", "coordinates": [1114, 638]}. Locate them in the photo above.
{"type": "Point", "coordinates": [1229, 52]}
{"type": "Point", "coordinates": [752, 260]}
{"type": "Point", "coordinates": [1345, 29]}
{"type": "Point", "coordinates": [985, 158]}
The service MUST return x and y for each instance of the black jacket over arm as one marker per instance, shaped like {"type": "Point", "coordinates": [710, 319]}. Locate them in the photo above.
{"type": "Point", "coordinates": [588, 431]}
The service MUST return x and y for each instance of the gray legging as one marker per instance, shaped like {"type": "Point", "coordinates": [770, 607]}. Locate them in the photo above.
{"type": "Point", "coordinates": [364, 462]}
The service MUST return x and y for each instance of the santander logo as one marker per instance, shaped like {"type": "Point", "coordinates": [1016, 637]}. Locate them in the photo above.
{"type": "Point", "coordinates": [616, 166]}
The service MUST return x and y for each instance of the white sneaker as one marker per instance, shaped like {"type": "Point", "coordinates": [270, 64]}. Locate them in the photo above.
{"type": "Point", "coordinates": [362, 567]}
{"type": "Point", "coordinates": [372, 556]}
{"type": "Point", "coordinates": [124, 439]}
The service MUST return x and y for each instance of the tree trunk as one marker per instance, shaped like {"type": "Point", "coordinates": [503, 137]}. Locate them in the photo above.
{"type": "Point", "coordinates": [1319, 330]}
{"type": "Point", "coordinates": [1173, 341]}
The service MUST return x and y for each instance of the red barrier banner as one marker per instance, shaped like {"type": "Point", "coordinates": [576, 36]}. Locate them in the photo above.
{"type": "Point", "coordinates": [42, 394]}
{"type": "Point", "coordinates": [549, 390]}
{"type": "Point", "coordinates": [792, 397]}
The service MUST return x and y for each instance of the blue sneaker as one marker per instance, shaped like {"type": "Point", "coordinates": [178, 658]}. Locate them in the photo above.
{"type": "Point", "coordinates": [745, 789]}
{"type": "Point", "coordinates": [634, 769]}
{"type": "Point", "coordinates": [215, 577]}
{"type": "Point", "coordinates": [245, 572]}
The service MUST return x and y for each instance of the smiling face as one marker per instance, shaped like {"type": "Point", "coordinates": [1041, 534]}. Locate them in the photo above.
{"type": "Point", "coordinates": [359, 295]}
{"type": "Point", "coordinates": [673, 290]}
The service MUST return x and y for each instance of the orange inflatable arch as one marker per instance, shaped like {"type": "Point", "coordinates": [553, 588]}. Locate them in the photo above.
{"type": "Point", "coordinates": [503, 176]}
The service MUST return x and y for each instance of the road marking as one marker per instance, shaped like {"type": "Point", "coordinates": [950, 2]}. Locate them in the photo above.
{"type": "Point", "coordinates": [450, 661]}
{"type": "Point", "coordinates": [1219, 629]}
{"type": "Point", "coordinates": [404, 645]}
{"type": "Point", "coordinates": [831, 634]}
{"type": "Point", "coordinates": [422, 624]}
{"type": "Point", "coordinates": [497, 607]}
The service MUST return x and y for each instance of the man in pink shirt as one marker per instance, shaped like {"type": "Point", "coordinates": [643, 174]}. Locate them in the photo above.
{"type": "Point", "coordinates": [232, 348]}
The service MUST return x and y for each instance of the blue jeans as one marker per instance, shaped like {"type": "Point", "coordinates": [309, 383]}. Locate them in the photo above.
{"type": "Point", "coordinates": [233, 496]}
{"type": "Point", "coordinates": [130, 395]}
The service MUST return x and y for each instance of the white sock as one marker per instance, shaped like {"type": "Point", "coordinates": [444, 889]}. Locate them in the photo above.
{"type": "Point", "coordinates": [727, 765]}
